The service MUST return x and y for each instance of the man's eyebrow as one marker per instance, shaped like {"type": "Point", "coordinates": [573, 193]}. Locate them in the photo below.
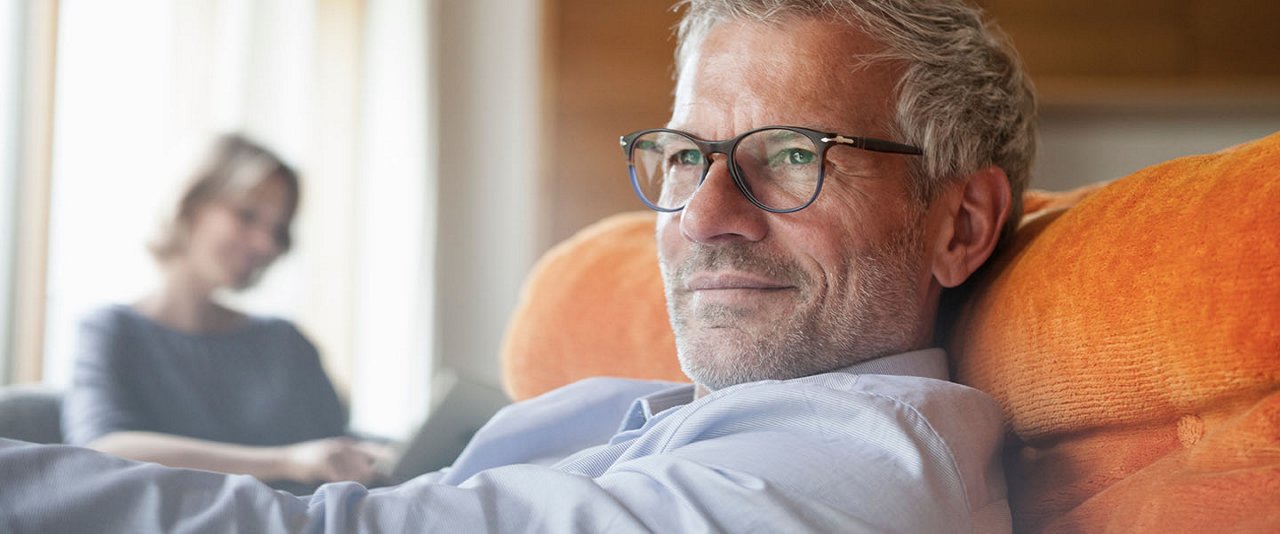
{"type": "Point", "coordinates": [786, 135]}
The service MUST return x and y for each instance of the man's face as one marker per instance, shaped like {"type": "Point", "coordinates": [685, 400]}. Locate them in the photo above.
{"type": "Point", "coordinates": [754, 295]}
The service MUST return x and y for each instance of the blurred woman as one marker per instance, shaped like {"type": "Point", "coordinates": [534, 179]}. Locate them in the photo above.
{"type": "Point", "coordinates": [179, 379]}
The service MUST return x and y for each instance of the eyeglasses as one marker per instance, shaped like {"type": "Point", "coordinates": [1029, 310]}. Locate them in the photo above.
{"type": "Point", "coordinates": [778, 168]}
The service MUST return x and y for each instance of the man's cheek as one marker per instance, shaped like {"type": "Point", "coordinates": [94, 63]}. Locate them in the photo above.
{"type": "Point", "coordinates": [670, 243]}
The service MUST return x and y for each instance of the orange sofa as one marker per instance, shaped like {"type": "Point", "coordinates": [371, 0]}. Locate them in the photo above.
{"type": "Point", "coordinates": [1131, 331]}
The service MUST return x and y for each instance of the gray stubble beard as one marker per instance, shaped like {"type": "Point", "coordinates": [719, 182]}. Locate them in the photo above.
{"type": "Point", "coordinates": [884, 321]}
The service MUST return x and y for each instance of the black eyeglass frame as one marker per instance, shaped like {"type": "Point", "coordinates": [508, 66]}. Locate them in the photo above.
{"type": "Point", "coordinates": [823, 140]}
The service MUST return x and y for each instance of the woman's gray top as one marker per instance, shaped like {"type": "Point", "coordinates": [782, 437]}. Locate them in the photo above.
{"type": "Point", "coordinates": [261, 384]}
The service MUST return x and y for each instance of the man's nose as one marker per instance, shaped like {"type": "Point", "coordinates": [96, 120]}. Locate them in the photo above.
{"type": "Point", "coordinates": [719, 212]}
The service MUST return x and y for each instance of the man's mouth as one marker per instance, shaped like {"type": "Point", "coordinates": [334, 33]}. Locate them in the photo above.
{"type": "Point", "coordinates": [733, 281]}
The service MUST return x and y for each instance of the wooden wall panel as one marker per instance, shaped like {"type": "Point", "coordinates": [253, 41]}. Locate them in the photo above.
{"type": "Point", "coordinates": [1236, 39]}
{"type": "Point", "coordinates": [610, 70]}
{"type": "Point", "coordinates": [1166, 41]}
{"type": "Point", "coordinates": [1057, 38]}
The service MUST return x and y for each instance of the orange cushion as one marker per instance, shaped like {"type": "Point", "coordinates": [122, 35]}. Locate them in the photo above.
{"type": "Point", "coordinates": [592, 306]}
{"type": "Point", "coordinates": [1134, 342]}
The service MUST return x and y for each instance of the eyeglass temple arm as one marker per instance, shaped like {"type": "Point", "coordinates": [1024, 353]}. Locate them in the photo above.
{"type": "Point", "coordinates": [875, 145]}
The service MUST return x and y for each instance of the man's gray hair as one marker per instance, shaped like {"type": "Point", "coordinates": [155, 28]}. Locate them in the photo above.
{"type": "Point", "coordinates": [963, 96]}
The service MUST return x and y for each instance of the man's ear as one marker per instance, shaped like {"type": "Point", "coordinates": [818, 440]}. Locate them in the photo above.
{"type": "Point", "coordinates": [976, 209]}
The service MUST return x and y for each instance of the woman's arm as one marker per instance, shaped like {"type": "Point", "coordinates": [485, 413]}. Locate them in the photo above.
{"type": "Point", "coordinates": [322, 460]}
{"type": "Point", "coordinates": [106, 411]}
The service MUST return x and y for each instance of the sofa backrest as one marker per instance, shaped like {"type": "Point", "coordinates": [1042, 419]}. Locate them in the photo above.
{"type": "Point", "coordinates": [592, 306]}
{"type": "Point", "coordinates": [1134, 343]}
{"type": "Point", "coordinates": [31, 413]}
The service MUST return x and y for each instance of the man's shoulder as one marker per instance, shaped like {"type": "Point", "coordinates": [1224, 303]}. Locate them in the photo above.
{"type": "Point", "coordinates": [916, 391]}
{"type": "Point", "coordinates": [948, 410]}
{"type": "Point", "coordinates": [843, 419]}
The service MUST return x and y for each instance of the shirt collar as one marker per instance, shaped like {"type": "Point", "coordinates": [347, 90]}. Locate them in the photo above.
{"type": "Point", "coordinates": [926, 363]}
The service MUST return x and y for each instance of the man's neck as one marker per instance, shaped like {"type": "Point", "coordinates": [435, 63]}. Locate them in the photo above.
{"type": "Point", "coordinates": [927, 362]}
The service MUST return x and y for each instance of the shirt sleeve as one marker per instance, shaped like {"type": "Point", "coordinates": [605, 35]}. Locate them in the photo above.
{"type": "Point", "coordinates": [791, 464]}
{"type": "Point", "coordinates": [99, 401]}
{"type": "Point", "coordinates": [64, 489]}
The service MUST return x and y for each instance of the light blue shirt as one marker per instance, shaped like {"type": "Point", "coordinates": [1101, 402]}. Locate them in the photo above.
{"type": "Point", "coordinates": [887, 445]}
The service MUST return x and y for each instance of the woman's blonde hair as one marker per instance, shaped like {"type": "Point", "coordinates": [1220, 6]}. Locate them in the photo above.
{"type": "Point", "coordinates": [233, 165]}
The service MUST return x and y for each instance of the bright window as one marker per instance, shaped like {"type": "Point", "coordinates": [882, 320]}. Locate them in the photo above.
{"type": "Point", "coordinates": [141, 84]}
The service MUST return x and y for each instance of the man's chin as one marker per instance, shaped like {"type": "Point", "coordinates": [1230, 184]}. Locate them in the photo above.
{"type": "Point", "coordinates": [752, 318]}
{"type": "Point", "coordinates": [721, 357]}
{"type": "Point", "coordinates": [725, 339]}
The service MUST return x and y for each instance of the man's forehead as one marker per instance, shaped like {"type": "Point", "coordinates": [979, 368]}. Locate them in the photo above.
{"type": "Point", "coordinates": [804, 70]}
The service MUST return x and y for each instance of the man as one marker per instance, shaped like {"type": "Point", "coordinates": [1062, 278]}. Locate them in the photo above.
{"type": "Point", "coordinates": [803, 266]}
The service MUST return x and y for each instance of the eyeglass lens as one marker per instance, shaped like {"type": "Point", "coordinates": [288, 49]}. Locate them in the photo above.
{"type": "Point", "coordinates": [778, 168]}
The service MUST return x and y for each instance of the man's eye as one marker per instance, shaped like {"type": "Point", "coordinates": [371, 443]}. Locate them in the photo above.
{"type": "Point", "coordinates": [688, 157]}
{"type": "Point", "coordinates": [793, 156]}
{"type": "Point", "coordinates": [246, 216]}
